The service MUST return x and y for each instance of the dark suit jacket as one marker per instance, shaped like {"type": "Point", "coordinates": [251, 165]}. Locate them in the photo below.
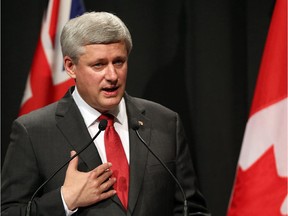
{"type": "Point", "coordinates": [42, 140]}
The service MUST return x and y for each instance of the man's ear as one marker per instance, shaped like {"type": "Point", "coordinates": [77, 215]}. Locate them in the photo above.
{"type": "Point", "coordinates": [70, 67]}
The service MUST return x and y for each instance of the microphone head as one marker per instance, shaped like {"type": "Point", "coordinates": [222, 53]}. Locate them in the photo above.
{"type": "Point", "coordinates": [102, 124]}
{"type": "Point", "coordinates": [135, 124]}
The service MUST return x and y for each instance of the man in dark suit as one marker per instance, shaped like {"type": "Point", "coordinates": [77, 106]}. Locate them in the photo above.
{"type": "Point", "coordinates": [96, 47]}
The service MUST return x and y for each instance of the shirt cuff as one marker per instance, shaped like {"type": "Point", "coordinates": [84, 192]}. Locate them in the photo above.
{"type": "Point", "coordinates": [67, 211]}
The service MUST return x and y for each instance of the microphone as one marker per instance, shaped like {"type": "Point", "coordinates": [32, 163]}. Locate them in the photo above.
{"type": "Point", "coordinates": [135, 126]}
{"type": "Point", "coordinates": [102, 126]}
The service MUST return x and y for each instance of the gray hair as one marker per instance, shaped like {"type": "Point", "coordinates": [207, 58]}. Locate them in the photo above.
{"type": "Point", "coordinates": [93, 28]}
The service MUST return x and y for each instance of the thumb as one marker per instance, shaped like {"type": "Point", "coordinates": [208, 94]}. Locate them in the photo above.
{"type": "Point", "coordinates": [73, 164]}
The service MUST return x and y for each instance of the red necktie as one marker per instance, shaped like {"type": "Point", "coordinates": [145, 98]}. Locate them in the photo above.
{"type": "Point", "coordinates": [116, 155]}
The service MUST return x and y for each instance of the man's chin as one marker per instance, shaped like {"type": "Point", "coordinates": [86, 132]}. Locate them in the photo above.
{"type": "Point", "coordinates": [110, 104]}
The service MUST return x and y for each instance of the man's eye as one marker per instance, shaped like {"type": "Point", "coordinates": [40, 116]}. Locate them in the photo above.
{"type": "Point", "coordinates": [119, 62]}
{"type": "Point", "coordinates": [98, 65]}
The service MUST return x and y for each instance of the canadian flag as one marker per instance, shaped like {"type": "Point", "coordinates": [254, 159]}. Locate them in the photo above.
{"type": "Point", "coordinates": [47, 80]}
{"type": "Point", "coordinates": [260, 186]}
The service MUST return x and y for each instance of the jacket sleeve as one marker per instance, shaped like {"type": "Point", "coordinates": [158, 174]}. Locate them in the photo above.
{"type": "Point", "coordinates": [21, 177]}
{"type": "Point", "coordinates": [187, 177]}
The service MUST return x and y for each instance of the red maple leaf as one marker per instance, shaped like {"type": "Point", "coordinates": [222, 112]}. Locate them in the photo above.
{"type": "Point", "coordinates": [259, 191]}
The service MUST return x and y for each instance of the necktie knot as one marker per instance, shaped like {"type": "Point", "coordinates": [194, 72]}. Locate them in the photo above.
{"type": "Point", "coordinates": [108, 117]}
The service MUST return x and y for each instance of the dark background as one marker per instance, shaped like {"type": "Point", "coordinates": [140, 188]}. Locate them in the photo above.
{"type": "Point", "coordinates": [197, 57]}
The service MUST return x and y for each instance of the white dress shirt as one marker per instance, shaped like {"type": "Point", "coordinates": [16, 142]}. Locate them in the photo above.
{"type": "Point", "coordinates": [91, 115]}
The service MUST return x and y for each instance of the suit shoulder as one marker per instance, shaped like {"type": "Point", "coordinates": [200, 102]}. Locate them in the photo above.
{"type": "Point", "coordinates": [151, 106]}
{"type": "Point", "coordinates": [40, 115]}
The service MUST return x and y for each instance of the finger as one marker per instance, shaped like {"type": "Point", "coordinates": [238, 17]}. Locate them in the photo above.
{"type": "Point", "coordinates": [105, 186]}
{"type": "Point", "coordinates": [104, 176]}
{"type": "Point", "coordinates": [107, 194]}
{"type": "Point", "coordinates": [102, 169]}
{"type": "Point", "coordinates": [72, 153]}
{"type": "Point", "coordinates": [73, 164]}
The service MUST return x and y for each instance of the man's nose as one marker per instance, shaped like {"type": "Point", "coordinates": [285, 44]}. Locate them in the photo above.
{"type": "Point", "coordinates": [111, 73]}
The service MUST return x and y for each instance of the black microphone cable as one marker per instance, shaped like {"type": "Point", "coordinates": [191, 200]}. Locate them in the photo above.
{"type": "Point", "coordinates": [102, 126]}
{"type": "Point", "coordinates": [135, 126]}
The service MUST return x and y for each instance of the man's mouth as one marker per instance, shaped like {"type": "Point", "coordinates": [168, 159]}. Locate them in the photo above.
{"type": "Point", "coordinates": [110, 89]}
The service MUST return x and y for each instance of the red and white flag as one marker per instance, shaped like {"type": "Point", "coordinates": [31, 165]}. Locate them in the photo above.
{"type": "Point", "coordinates": [47, 80]}
{"type": "Point", "coordinates": [260, 187]}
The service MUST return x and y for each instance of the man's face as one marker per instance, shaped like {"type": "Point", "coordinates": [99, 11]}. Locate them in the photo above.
{"type": "Point", "coordinates": [100, 74]}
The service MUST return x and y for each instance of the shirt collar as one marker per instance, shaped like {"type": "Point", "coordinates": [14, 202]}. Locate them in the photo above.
{"type": "Point", "coordinates": [90, 114]}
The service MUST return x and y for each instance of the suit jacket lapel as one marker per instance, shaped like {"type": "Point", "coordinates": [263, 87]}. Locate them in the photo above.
{"type": "Point", "coordinates": [138, 152]}
{"type": "Point", "coordinates": [72, 125]}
